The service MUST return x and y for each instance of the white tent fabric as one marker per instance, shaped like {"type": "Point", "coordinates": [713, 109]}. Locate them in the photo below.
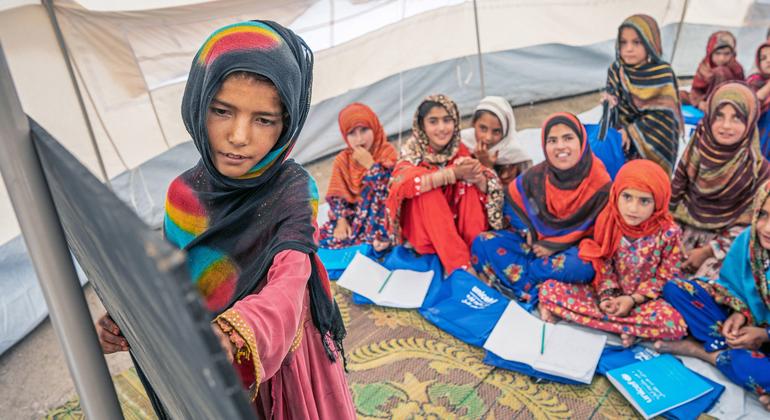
{"type": "Point", "coordinates": [132, 57]}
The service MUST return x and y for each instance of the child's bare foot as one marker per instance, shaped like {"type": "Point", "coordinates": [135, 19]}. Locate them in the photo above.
{"type": "Point", "coordinates": [546, 315]}
{"type": "Point", "coordinates": [686, 347]}
{"type": "Point", "coordinates": [380, 245]}
{"type": "Point", "coordinates": [627, 340]}
{"type": "Point", "coordinates": [765, 401]}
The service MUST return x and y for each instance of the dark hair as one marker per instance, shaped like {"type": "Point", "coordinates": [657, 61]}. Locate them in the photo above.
{"type": "Point", "coordinates": [744, 118]}
{"type": "Point", "coordinates": [560, 119]}
{"type": "Point", "coordinates": [258, 78]}
{"type": "Point", "coordinates": [481, 112]}
{"type": "Point", "coordinates": [424, 109]}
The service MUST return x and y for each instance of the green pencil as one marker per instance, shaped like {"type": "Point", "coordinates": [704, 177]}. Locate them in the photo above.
{"type": "Point", "coordinates": [387, 279]}
{"type": "Point", "coordinates": [542, 339]}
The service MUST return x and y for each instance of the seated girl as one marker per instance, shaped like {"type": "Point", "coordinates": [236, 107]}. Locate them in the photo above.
{"type": "Point", "coordinates": [758, 82]}
{"type": "Point", "coordinates": [719, 65]}
{"type": "Point", "coordinates": [549, 210]}
{"type": "Point", "coordinates": [245, 215]}
{"type": "Point", "coordinates": [643, 95]}
{"type": "Point", "coordinates": [440, 197]}
{"type": "Point", "coordinates": [492, 139]}
{"type": "Point", "coordinates": [636, 249]}
{"type": "Point", "coordinates": [729, 318]}
{"type": "Point", "coordinates": [358, 185]}
{"type": "Point", "coordinates": [717, 178]}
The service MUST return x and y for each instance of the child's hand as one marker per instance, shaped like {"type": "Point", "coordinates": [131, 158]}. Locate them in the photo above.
{"type": "Point", "coordinates": [732, 326]}
{"type": "Point", "coordinates": [110, 338]}
{"type": "Point", "coordinates": [625, 304]}
{"type": "Point", "coordinates": [625, 141]}
{"type": "Point", "coordinates": [485, 158]}
{"type": "Point", "coordinates": [541, 251]}
{"type": "Point", "coordinates": [608, 306]}
{"type": "Point", "coordinates": [224, 341]}
{"type": "Point", "coordinates": [613, 100]}
{"type": "Point", "coordinates": [342, 230]}
{"type": "Point", "coordinates": [618, 306]}
{"type": "Point", "coordinates": [697, 257]}
{"type": "Point", "coordinates": [465, 169]}
{"type": "Point", "coordinates": [749, 338]}
{"type": "Point", "coordinates": [363, 157]}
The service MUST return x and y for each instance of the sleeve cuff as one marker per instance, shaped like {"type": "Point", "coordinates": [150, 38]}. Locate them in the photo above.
{"type": "Point", "coordinates": [243, 339]}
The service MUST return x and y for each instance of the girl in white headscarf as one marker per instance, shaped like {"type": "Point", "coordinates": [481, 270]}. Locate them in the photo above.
{"type": "Point", "coordinates": [492, 139]}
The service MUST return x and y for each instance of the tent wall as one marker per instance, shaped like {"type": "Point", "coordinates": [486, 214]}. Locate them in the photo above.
{"type": "Point", "coordinates": [133, 63]}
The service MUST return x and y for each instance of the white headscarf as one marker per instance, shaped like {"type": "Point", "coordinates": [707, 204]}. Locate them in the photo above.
{"type": "Point", "coordinates": [508, 151]}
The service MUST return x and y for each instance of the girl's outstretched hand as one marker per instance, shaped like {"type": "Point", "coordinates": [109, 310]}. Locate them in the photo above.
{"type": "Point", "coordinates": [110, 338]}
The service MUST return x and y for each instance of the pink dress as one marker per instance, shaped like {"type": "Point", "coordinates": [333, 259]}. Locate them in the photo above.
{"type": "Point", "coordinates": [643, 267]}
{"type": "Point", "coordinates": [279, 354]}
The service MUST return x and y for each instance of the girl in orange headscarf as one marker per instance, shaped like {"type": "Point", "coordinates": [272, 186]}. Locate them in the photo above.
{"type": "Point", "coordinates": [636, 249]}
{"type": "Point", "coordinates": [359, 183]}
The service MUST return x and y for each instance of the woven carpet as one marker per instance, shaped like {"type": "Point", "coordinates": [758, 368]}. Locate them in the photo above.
{"type": "Point", "coordinates": [402, 367]}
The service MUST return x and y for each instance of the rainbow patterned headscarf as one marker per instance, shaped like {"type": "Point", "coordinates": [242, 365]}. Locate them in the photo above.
{"type": "Point", "coordinates": [232, 228]}
{"type": "Point", "coordinates": [260, 48]}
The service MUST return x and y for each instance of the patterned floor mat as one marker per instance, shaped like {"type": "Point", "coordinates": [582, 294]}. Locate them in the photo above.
{"type": "Point", "coordinates": [402, 367]}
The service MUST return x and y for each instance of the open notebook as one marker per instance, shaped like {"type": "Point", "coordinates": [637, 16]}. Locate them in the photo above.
{"type": "Point", "coordinates": [396, 289]}
{"type": "Point", "coordinates": [555, 349]}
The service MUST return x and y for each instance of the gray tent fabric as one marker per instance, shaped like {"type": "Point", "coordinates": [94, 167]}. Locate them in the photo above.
{"type": "Point", "coordinates": [143, 282]}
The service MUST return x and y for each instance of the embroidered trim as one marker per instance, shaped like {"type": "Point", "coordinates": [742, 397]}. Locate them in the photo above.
{"type": "Point", "coordinates": [232, 318]}
{"type": "Point", "coordinates": [297, 338]}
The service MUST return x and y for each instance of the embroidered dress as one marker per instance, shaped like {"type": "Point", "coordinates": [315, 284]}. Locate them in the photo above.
{"type": "Point", "coordinates": [743, 286]}
{"type": "Point", "coordinates": [367, 216]}
{"type": "Point", "coordinates": [640, 266]}
{"type": "Point", "coordinates": [429, 208]}
{"type": "Point", "coordinates": [557, 208]}
{"type": "Point", "coordinates": [629, 259]}
{"type": "Point", "coordinates": [356, 193]}
{"type": "Point", "coordinates": [648, 106]}
{"type": "Point", "coordinates": [250, 239]}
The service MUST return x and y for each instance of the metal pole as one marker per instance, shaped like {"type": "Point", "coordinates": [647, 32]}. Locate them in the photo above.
{"type": "Point", "coordinates": [478, 50]}
{"type": "Point", "coordinates": [44, 236]}
{"type": "Point", "coordinates": [63, 46]}
{"type": "Point", "coordinates": [678, 32]}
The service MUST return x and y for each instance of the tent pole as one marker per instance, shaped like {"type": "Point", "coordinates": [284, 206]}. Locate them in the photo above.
{"type": "Point", "coordinates": [678, 31]}
{"type": "Point", "coordinates": [45, 240]}
{"type": "Point", "coordinates": [63, 46]}
{"type": "Point", "coordinates": [478, 50]}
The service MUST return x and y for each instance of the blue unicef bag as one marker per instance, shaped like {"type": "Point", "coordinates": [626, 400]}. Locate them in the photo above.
{"type": "Point", "coordinates": [465, 307]}
{"type": "Point", "coordinates": [615, 356]}
{"type": "Point", "coordinates": [609, 150]}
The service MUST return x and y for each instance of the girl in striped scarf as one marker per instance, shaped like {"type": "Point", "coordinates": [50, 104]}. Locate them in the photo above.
{"type": "Point", "coordinates": [643, 95]}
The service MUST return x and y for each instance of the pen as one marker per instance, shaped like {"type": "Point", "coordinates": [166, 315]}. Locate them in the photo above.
{"type": "Point", "coordinates": [542, 339]}
{"type": "Point", "coordinates": [387, 279]}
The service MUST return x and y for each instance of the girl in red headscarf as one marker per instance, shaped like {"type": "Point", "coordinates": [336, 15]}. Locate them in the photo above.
{"type": "Point", "coordinates": [636, 249]}
{"type": "Point", "coordinates": [719, 65]}
{"type": "Point", "coordinates": [359, 183]}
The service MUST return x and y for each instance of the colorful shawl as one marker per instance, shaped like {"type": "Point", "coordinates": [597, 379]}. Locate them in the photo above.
{"type": "Point", "coordinates": [508, 150]}
{"type": "Point", "coordinates": [418, 158]}
{"type": "Point", "coordinates": [232, 228]}
{"type": "Point", "coordinates": [347, 175]}
{"type": "Point", "coordinates": [757, 80]}
{"type": "Point", "coordinates": [744, 280]}
{"type": "Point", "coordinates": [648, 99]}
{"type": "Point", "coordinates": [560, 206]}
{"type": "Point", "coordinates": [641, 175]}
{"type": "Point", "coordinates": [714, 184]}
{"type": "Point", "coordinates": [707, 76]}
